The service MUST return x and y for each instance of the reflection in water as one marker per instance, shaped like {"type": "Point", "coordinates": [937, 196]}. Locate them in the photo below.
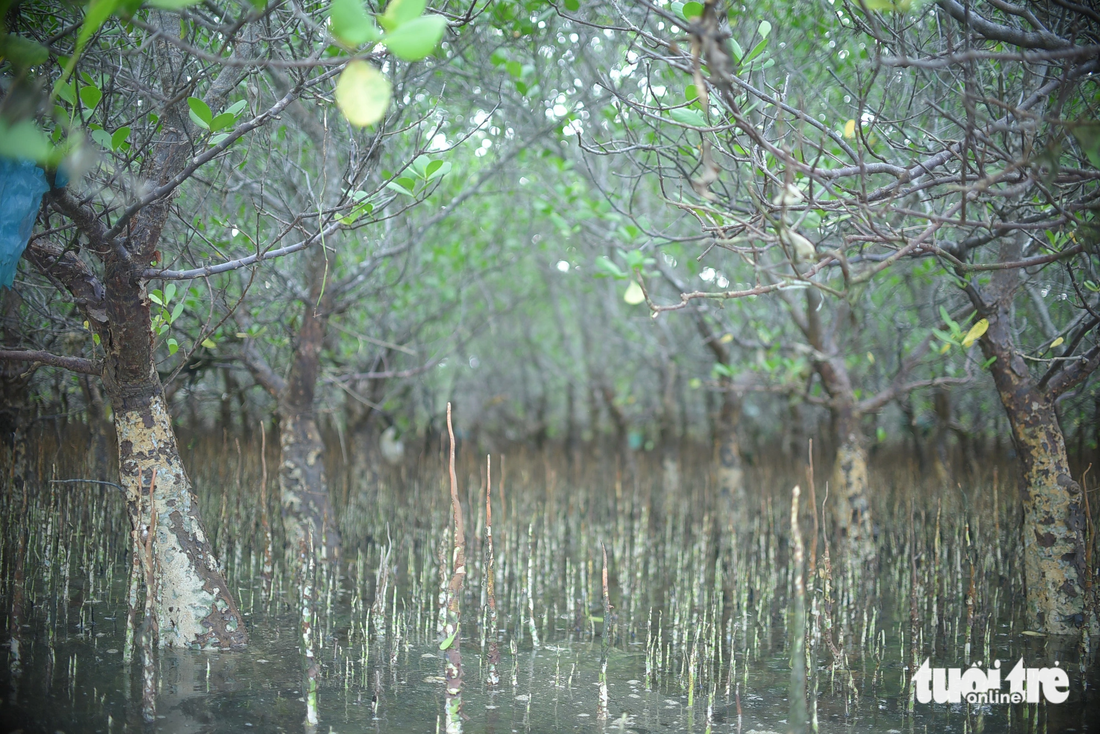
{"type": "Point", "coordinates": [698, 623]}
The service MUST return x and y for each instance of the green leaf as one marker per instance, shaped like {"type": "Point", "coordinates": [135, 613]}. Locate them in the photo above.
{"type": "Point", "coordinates": [221, 122]}
{"type": "Point", "coordinates": [156, 297]}
{"type": "Point", "coordinates": [686, 116]}
{"type": "Point", "coordinates": [944, 336]}
{"type": "Point", "coordinates": [416, 39]}
{"type": "Point", "coordinates": [98, 13]}
{"type": "Point", "coordinates": [200, 112]}
{"type": "Point", "coordinates": [209, 343]}
{"type": "Point", "coordinates": [103, 138]}
{"type": "Point", "coordinates": [738, 52]}
{"type": "Point", "coordinates": [399, 12]}
{"type": "Point", "coordinates": [236, 108]}
{"type": "Point", "coordinates": [119, 137]}
{"type": "Point", "coordinates": [764, 28]}
{"type": "Point", "coordinates": [692, 10]}
{"type": "Point", "coordinates": [947, 319]}
{"type": "Point", "coordinates": [362, 93]}
{"type": "Point", "coordinates": [420, 165]}
{"type": "Point", "coordinates": [173, 346]}
{"type": "Point", "coordinates": [1088, 136]}
{"type": "Point", "coordinates": [90, 96]}
{"type": "Point", "coordinates": [176, 313]}
{"type": "Point", "coordinates": [169, 293]}
{"type": "Point", "coordinates": [402, 186]}
{"type": "Point", "coordinates": [438, 169]}
{"type": "Point", "coordinates": [349, 22]}
{"type": "Point", "coordinates": [608, 268]}
{"type": "Point", "coordinates": [23, 53]}
{"type": "Point", "coordinates": [66, 92]}
{"type": "Point", "coordinates": [449, 641]}
{"type": "Point", "coordinates": [24, 140]}
{"type": "Point", "coordinates": [756, 51]}
{"type": "Point", "coordinates": [572, 5]}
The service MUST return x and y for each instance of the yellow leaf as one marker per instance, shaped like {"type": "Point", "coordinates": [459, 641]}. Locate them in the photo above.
{"type": "Point", "coordinates": [850, 129]}
{"type": "Point", "coordinates": [1056, 342]}
{"type": "Point", "coordinates": [634, 294]}
{"type": "Point", "coordinates": [870, 358]}
{"type": "Point", "coordinates": [363, 93]}
{"type": "Point", "coordinates": [209, 343]}
{"type": "Point", "coordinates": [975, 333]}
{"type": "Point", "coordinates": [945, 347]}
{"type": "Point", "coordinates": [726, 339]}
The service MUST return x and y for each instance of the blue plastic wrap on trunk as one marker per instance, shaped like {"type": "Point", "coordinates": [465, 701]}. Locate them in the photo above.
{"type": "Point", "coordinates": [22, 184]}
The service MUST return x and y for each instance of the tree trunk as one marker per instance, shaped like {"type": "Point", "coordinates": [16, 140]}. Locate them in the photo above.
{"type": "Point", "coordinates": [729, 474]}
{"type": "Point", "coordinates": [192, 604]}
{"type": "Point", "coordinates": [1054, 520]}
{"type": "Point", "coordinates": [303, 486]}
{"type": "Point", "coordinates": [851, 509]}
{"type": "Point", "coordinates": [669, 441]}
{"type": "Point", "coordinates": [941, 460]}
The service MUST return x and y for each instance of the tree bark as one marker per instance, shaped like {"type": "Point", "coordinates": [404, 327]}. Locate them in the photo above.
{"type": "Point", "coordinates": [1054, 520]}
{"type": "Point", "coordinates": [192, 603]}
{"type": "Point", "coordinates": [729, 474]}
{"type": "Point", "coordinates": [851, 509]}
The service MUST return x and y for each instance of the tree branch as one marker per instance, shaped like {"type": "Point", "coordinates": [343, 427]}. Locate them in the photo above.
{"type": "Point", "coordinates": [1003, 33]}
{"type": "Point", "coordinates": [1073, 373]}
{"type": "Point", "coordinates": [73, 364]}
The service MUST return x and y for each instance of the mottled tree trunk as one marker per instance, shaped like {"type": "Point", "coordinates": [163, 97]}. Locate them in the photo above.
{"type": "Point", "coordinates": [728, 472]}
{"type": "Point", "coordinates": [303, 486]}
{"type": "Point", "coordinates": [1054, 520]}
{"type": "Point", "coordinates": [192, 604]}
{"type": "Point", "coordinates": [940, 458]}
{"type": "Point", "coordinates": [851, 509]}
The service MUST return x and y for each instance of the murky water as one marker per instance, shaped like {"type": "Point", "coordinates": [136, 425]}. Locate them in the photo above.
{"type": "Point", "coordinates": [697, 640]}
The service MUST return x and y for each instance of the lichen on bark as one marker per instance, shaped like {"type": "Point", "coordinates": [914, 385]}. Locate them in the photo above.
{"type": "Point", "coordinates": [192, 603]}
{"type": "Point", "coordinates": [852, 511]}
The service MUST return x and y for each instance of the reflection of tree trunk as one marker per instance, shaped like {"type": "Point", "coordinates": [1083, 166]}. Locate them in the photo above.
{"type": "Point", "coordinates": [729, 474]}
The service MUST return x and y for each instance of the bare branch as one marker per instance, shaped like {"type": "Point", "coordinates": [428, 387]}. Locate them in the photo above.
{"type": "Point", "coordinates": [73, 364]}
